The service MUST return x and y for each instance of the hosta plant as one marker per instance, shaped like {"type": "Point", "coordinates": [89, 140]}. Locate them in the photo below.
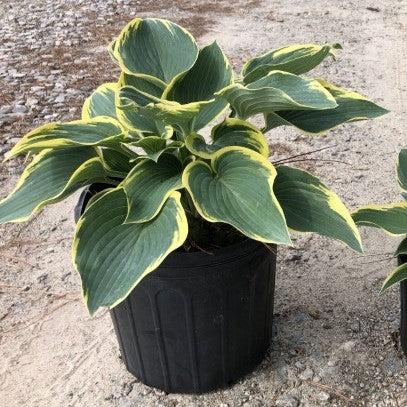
{"type": "Point", "coordinates": [167, 185]}
{"type": "Point", "coordinates": [392, 218]}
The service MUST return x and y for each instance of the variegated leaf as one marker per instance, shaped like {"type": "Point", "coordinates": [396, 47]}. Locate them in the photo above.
{"type": "Point", "coordinates": [351, 107]}
{"type": "Point", "coordinates": [392, 217]}
{"type": "Point", "coordinates": [101, 102]}
{"type": "Point", "coordinates": [231, 132]}
{"type": "Point", "coordinates": [94, 132]}
{"type": "Point", "coordinates": [309, 206]}
{"type": "Point", "coordinates": [146, 84]}
{"type": "Point", "coordinates": [154, 47]}
{"type": "Point", "coordinates": [210, 73]}
{"type": "Point", "coordinates": [148, 186]}
{"type": "Point", "coordinates": [113, 257]}
{"type": "Point", "coordinates": [237, 188]}
{"type": "Point", "coordinates": [49, 178]}
{"type": "Point", "coordinates": [296, 59]}
{"type": "Point", "coordinates": [398, 275]}
{"type": "Point", "coordinates": [154, 146]}
{"type": "Point", "coordinates": [277, 91]}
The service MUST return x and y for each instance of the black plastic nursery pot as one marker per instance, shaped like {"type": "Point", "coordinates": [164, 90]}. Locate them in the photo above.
{"type": "Point", "coordinates": [199, 322]}
{"type": "Point", "coordinates": [403, 308]}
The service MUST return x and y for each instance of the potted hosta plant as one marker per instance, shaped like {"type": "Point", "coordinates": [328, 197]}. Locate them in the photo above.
{"type": "Point", "coordinates": [178, 232]}
{"type": "Point", "coordinates": [393, 219]}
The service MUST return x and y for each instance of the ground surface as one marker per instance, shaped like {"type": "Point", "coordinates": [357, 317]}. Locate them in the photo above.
{"type": "Point", "coordinates": [335, 339]}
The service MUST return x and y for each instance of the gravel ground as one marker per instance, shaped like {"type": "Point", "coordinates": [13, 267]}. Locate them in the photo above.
{"type": "Point", "coordinates": [335, 338]}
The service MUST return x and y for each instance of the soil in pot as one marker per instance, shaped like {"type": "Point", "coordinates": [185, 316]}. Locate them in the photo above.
{"type": "Point", "coordinates": [200, 321]}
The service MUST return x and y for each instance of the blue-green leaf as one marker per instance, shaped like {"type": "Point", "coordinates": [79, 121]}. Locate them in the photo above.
{"type": "Point", "coordinates": [94, 132]}
{"type": "Point", "coordinates": [154, 47]}
{"type": "Point", "coordinates": [277, 91]}
{"type": "Point", "coordinates": [309, 206]}
{"type": "Point", "coordinates": [296, 59]}
{"type": "Point", "coordinates": [49, 178]}
{"type": "Point", "coordinates": [351, 106]}
{"type": "Point", "coordinates": [231, 132]}
{"type": "Point", "coordinates": [148, 186]}
{"type": "Point", "coordinates": [113, 257]}
{"type": "Point", "coordinates": [237, 188]}
{"type": "Point", "coordinates": [101, 102]}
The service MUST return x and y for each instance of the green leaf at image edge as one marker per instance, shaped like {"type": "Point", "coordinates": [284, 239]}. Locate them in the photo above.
{"type": "Point", "coordinates": [112, 257]}
{"type": "Point", "coordinates": [402, 248]}
{"type": "Point", "coordinates": [103, 131]}
{"type": "Point", "coordinates": [402, 169]}
{"type": "Point", "coordinates": [49, 178]}
{"type": "Point", "coordinates": [398, 275]}
{"type": "Point", "coordinates": [392, 218]}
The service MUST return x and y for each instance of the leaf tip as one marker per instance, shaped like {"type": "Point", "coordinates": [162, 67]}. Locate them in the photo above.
{"type": "Point", "coordinates": [383, 288]}
{"type": "Point", "coordinates": [91, 307]}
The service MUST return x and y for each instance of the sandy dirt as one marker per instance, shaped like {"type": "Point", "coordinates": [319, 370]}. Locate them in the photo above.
{"type": "Point", "coordinates": [335, 338]}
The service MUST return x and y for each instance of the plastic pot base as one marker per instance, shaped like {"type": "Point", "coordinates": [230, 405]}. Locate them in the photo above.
{"type": "Point", "coordinates": [199, 322]}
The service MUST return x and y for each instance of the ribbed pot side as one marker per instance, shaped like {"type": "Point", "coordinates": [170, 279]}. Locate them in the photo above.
{"type": "Point", "coordinates": [199, 322]}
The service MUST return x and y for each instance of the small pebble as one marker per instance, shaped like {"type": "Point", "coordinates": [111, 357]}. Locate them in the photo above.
{"type": "Point", "coordinates": [323, 396]}
{"type": "Point", "coordinates": [287, 400]}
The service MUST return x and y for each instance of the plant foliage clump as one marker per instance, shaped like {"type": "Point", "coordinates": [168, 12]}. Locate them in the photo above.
{"type": "Point", "coordinates": [141, 136]}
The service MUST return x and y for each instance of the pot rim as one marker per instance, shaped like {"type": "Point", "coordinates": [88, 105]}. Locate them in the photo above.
{"type": "Point", "coordinates": [227, 254]}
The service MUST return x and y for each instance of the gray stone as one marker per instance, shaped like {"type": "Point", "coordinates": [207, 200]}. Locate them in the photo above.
{"type": "Point", "coordinates": [18, 75]}
{"type": "Point", "coordinates": [31, 102]}
{"type": "Point", "coordinates": [307, 374]}
{"type": "Point", "coordinates": [6, 109]}
{"type": "Point", "coordinates": [60, 98]}
{"type": "Point", "coordinates": [294, 257]}
{"type": "Point", "coordinates": [323, 396]}
{"type": "Point", "coordinates": [35, 89]}
{"type": "Point", "coordinates": [348, 346]}
{"type": "Point", "coordinates": [3, 149]}
{"type": "Point", "coordinates": [299, 365]}
{"type": "Point", "coordinates": [20, 109]}
{"type": "Point", "coordinates": [13, 140]}
{"type": "Point", "coordinates": [287, 400]}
